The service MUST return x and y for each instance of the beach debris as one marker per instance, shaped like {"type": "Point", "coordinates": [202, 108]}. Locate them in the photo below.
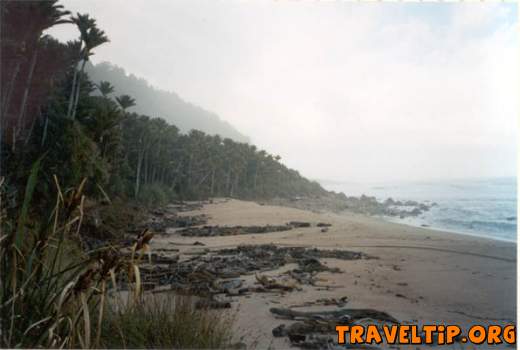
{"type": "Point", "coordinates": [271, 283]}
{"type": "Point", "coordinates": [210, 231]}
{"type": "Point", "coordinates": [317, 329]}
{"type": "Point", "coordinates": [280, 331]}
{"type": "Point", "coordinates": [344, 316]}
{"type": "Point", "coordinates": [159, 224]}
{"type": "Point", "coordinates": [213, 272]}
{"type": "Point", "coordinates": [299, 224]}
{"type": "Point", "coordinates": [339, 302]}
{"type": "Point", "coordinates": [194, 229]}
{"type": "Point", "coordinates": [229, 286]}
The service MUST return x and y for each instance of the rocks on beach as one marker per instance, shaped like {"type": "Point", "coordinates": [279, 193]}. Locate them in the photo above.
{"type": "Point", "coordinates": [211, 231]}
{"type": "Point", "coordinates": [317, 329]}
{"type": "Point", "coordinates": [367, 205]}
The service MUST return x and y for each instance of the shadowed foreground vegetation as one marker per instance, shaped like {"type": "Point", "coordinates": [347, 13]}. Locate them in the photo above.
{"type": "Point", "coordinates": [57, 294]}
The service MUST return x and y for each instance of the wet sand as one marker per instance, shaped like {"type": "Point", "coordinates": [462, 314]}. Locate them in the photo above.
{"type": "Point", "coordinates": [421, 276]}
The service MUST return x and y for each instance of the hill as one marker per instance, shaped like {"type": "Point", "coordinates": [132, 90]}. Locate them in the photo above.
{"type": "Point", "coordinates": [164, 104]}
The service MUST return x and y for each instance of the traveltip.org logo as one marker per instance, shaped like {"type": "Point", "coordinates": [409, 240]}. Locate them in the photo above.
{"type": "Point", "coordinates": [426, 334]}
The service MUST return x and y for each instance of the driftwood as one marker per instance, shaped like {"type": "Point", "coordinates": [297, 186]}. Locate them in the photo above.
{"type": "Point", "coordinates": [339, 302]}
{"type": "Point", "coordinates": [269, 283]}
{"type": "Point", "coordinates": [316, 329]}
{"type": "Point", "coordinates": [337, 315]}
{"type": "Point", "coordinates": [204, 272]}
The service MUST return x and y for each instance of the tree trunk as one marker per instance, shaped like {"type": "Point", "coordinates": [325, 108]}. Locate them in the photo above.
{"type": "Point", "coordinates": [7, 99]}
{"type": "Point", "coordinates": [237, 176]}
{"type": "Point", "coordinates": [78, 88]}
{"type": "Point", "coordinates": [146, 168]}
{"type": "Point", "coordinates": [212, 186]}
{"type": "Point", "coordinates": [255, 177]}
{"type": "Point", "coordinates": [23, 106]}
{"type": "Point", "coordinates": [228, 184]}
{"type": "Point", "coordinates": [138, 174]}
{"type": "Point", "coordinates": [73, 91]}
{"type": "Point", "coordinates": [189, 171]}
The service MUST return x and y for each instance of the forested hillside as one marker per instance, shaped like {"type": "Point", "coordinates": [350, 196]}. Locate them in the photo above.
{"type": "Point", "coordinates": [75, 126]}
{"type": "Point", "coordinates": [82, 162]}
{"type": "Point", "coordinates": [164, 104]}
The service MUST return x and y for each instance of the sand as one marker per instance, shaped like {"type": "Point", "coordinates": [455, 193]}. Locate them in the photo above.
{"type": "Point", "coordinates": [422, 276]}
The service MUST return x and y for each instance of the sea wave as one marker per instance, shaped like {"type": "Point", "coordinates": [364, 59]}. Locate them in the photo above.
{"type": "Point", "coordinates": [485, 207]}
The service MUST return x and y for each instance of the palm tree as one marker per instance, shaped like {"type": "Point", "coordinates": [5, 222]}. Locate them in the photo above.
{"type": "Point", "coordinates": [91, 37]}
{"type": "Point", "coordinates": [41, 15]}
{"type": "Point", "coordinates": [125, 101]}
{"type": "Point", "coordinates": [105, 88]}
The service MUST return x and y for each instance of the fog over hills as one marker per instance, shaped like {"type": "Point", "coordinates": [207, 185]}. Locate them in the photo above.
{"type": "Point", "coordinates": [164, 104]}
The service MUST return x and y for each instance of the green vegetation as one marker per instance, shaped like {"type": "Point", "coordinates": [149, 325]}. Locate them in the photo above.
{"type": "Point", "coordinates": [165, 322]}
{"type": "Point", "coordinates": [66, 138]}
{"type": "Point", "coordinates": [165, 104]}
{"type": "Point", "coordinates": [52, 107]}
{"type": "Point", "coordinates": [54, 294]}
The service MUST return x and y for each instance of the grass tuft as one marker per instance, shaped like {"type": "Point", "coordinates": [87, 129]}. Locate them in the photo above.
{"type": "Point", "coordinates": [165, 321]}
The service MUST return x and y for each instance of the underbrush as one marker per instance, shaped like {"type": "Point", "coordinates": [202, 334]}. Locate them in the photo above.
{"type": "Point", "coordinates": [155, 195]}
{"type": "Point", "coordinates": [165, 321]}
{"type": "Point", "coordinates": [54, 293]}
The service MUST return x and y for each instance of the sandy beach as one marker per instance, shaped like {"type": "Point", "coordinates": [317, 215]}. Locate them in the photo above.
{"type": "Point", "coordinates": [418, 276]}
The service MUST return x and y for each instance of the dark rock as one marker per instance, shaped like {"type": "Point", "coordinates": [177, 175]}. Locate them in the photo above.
{"type": "Point", "coordinates": [228, 285]}
{"type": "Point", "coordinates": [298, 224]}
{"type": "Point", "coordinates": [280, 331]}
{"type": "Point", "coordinates": [209, 231]}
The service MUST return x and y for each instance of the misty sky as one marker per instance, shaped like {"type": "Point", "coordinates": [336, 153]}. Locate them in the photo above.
{"type": "Point", "coordinates": [343, 91]}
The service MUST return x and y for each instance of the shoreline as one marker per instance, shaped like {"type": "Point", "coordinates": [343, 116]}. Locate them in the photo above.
{"type": "Point", "coordinates": [446, 230]}
{"type": "Point", "coordinates": [418, 275]}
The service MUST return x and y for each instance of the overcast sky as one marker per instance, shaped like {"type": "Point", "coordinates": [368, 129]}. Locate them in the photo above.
{"type": "Point", "coordinates": [364, 92]}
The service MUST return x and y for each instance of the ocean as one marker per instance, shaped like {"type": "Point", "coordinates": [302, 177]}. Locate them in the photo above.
{"type": "Point", "coordinates": [483, 207]}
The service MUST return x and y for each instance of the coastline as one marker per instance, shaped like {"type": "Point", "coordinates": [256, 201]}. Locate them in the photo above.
{"type": "Point", "coordinates": [418, 275]}
{"type": "Point", "coordinates": [447, 230]}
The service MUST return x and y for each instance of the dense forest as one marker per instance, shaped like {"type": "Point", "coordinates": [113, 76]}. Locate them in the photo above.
{"type": "Point", "coordinates": [160, 103]}
{"type": "Point", "coordinates": [73, 126]}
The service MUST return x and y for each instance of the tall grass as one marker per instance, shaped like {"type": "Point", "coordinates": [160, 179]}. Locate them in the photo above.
{"type": "Point", "coordinates": [165, 321]}
{"type": "Point", "coordinates": [48, 286]}
{"type": "Point", "coordinates": [54, 293]}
